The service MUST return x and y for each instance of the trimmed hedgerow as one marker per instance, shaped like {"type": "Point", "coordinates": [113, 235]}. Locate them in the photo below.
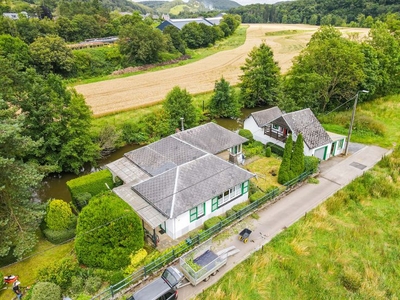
{"type": "Point", "coordinates": [212, 222]}
{"type": "Point", "coordinates": [276, 149]}
{"type": "Point", "coordinates": [311, 163]}
{"type": "Point", "coordinates": [59, 236]}
{"type": "Point", "coordinates": [240, 206]}
{"type": "Point", "coordinates": [257, 195]}
{"type": "Point", "coordinates": [94, 183]}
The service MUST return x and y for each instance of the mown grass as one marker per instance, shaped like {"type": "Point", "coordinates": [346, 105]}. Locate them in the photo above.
{"type": "Point", "coordinates": [44, 254]}
{"type": "Point", "coordinates": [347, 248]}
{"type": "Point", "coordinates": [263, 168]}
{"type": "Point", "coordinates": [376, 122]}
{"type": "Point", "coordinates": [234, 41]}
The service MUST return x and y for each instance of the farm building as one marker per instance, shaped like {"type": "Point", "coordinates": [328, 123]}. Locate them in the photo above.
{"type": "Point", "coordinates": [272, 125]}
{"type": "Point", "coordinates": [179, 23]}
{"type": "Point", "coordinates": [180, 181]}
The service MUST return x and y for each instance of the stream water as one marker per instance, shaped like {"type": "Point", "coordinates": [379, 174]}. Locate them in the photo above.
{"type": "Point", "coordinates": [55, 186]}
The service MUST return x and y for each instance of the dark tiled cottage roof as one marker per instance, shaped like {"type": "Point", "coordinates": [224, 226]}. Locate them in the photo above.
{"type": "Point", "coordinates": [305, 122]}
{"type": "Point", "coordinates": [211, 138]}
{"type": "Point", "coordinates": [163, 155]}
{"type": "Point", "coordinates": [191, 184]}
{"type": "Point", "coordinates": [265, 116]}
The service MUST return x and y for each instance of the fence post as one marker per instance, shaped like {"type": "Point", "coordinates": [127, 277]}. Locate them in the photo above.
{"type": "Point", "coordinates": [112, 291]}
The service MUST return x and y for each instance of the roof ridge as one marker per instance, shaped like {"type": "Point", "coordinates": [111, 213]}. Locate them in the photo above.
{"type": "Point", "coordinates": [174, 192]}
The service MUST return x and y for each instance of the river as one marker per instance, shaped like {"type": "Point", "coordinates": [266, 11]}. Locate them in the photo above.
{"type": "Point", "coordinates": [54, 186]}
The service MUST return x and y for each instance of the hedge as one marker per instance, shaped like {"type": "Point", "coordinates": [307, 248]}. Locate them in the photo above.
{"type": "Point", "coordinates": [257, 195]}
{"type": "Point", "coordinates": [278, 150]}
{"type": "Point", "coordinates": [58, 236]}
{"type": "Point", "coordinates": [94, 183]}
{"type": "Point", "coordinates": [239, 206]}
{"type": "Point", "coordinates": [246, 134]}
{"type": "Point", "coordinates": [212, 222]}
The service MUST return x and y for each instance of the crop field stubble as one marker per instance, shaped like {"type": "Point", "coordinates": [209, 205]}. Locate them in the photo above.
{"type": "Point", "coordinates": [121, 94]}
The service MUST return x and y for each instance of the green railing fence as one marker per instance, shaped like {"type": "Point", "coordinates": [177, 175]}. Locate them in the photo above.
{"type": "Point", "coordinates": [197, 239]}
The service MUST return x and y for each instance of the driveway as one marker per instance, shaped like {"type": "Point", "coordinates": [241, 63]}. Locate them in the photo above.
{"type": "Point", "coordinates": [282, 214]}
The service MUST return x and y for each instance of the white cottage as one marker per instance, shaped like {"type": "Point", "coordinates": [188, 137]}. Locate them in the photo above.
{"type": "Point", "coordinates": [272, 125]}
{"type": "Point", "coordinates": [179, 182]}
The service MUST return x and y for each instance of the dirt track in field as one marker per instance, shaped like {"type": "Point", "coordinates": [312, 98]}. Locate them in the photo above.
{"type": "Point", "coordinates": [121, 94]}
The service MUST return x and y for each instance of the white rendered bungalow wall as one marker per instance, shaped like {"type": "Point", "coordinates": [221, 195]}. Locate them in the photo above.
{"type": "Point", "coordinates": [195, 217]}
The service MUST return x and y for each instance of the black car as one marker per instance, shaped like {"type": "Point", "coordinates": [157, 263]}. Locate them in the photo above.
{"type": "Point", "coordinates": [163, 288]}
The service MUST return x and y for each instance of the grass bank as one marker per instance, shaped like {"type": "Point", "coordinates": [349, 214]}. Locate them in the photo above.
{"type": "Point", "coordinates": [234, 41]}
{"type": "Point", "coordinates": [347, 248]}
{"type": "Point", "coordinates": [44, 254]}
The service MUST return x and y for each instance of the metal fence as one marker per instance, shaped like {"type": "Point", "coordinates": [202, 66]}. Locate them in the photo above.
{"type": "Point", "coordinates": [197, 239]}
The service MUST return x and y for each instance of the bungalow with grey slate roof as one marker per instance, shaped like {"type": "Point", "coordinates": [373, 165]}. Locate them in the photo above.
{"type": "Point", "coordinates": [178, 182]}
{"type": "Point", "coordinates": [272, 125]}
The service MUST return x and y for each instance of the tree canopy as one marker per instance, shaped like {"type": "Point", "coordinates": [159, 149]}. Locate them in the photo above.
{"type": "Point", "coordinates": [224, 102]}
{"type": "Point", "coordinates": [260, 82]}
{"type": "Point", "coordinates": [178, 104]}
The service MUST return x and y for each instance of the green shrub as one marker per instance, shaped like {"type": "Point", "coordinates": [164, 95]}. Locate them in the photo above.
{"type": "Point", "coordinates": [278, 150]}
{"type": "Point", "coordinates": [240, 206]}
{"type": "Point", "coordinates": [59, 215]}
{"type": "Point", "coordinates": [60, 272]}
{"type": "Point", "coordinates": [58, 236]}
{"type": "Point", "coordinates": [246, 134]}
{"type": "Point", "coordinates": [268, 151]}
{"type": "Point", "coordinates": [212, 222]}
{"type": "Point", "coordinates": [76, 284]}
{"type": "Point", "coordinates": [1, 281]}
{"type": "Point", "coordinates": [254, 148]}
{"type": "Point", "coordinates": [107, 247]}
{"type": "Point", "coordinates": [136, 258]}
{"type": "Point", "coordinates": [81, 200]}
{"type": "Point", "coordinates": [311, 164]}
{"type": "Point", "coordinates": [257, 195]}
{"type": "Point", "coordinates": [229, 213]}
{"type": "Point", "coordinates": [94, 183]}
{"type": "Point", "coordinates": [93, 284]}
{"type": "Point", "coordinates": [313, 180]}
{"type": "Point", "coordinates": [46, 291]}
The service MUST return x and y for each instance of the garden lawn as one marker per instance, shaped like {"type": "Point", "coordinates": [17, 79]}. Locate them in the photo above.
{"type": "Point", "coordinates": [346, 248]}
{"type": "Point", "coordinates": [44, 254]}
{"type": "Point", "coordinates": [263, 168]}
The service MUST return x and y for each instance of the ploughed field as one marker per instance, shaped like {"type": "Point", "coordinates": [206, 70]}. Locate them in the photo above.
{"type": "Point", "coordinates": [140, 90]}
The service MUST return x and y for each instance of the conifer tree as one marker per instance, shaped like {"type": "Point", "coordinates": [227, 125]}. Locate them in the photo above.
{"type": "Point", "coordinates": [284, 169]}
{"type": "Point", "coordinates": [297, 161]}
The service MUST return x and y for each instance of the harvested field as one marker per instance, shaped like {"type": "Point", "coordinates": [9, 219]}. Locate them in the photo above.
{"type": "Point", "coordinates": [122, 94]}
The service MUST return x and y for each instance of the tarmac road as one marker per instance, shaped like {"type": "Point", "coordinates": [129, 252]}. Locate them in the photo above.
{"type": "Point", "coordinates": [295, 205]}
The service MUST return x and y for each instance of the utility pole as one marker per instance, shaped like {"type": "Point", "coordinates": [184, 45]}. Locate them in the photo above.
{"type": "Point", "coordinates": [352, 120]}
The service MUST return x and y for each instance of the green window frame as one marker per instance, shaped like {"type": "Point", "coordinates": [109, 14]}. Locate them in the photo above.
{"type": "Point", "coordinates": [195, 214]}
{"type": "Point", "coordinates": [214, 204]}
{"type": "Point", "coordinates": [341, 143]}
{"type": "Point", "coordinates": [245, 187]}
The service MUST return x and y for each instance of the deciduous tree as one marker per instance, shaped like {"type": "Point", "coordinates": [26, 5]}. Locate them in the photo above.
{"type": "Point", "coordinates": [260, 82]}
{"type": "Point", "coordinates": [224, 103]}
{"type": "Point", "coordinates": [178, 104]}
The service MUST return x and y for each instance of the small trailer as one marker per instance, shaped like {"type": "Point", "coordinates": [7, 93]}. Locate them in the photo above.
{"type": "Point", "coordinates": [196, 266]}
{"type": "Point", "coordinates": [202, 262]}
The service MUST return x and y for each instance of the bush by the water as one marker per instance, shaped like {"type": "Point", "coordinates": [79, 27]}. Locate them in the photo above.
{"type": "Point", "coordinates": [246, 134]}
{"type": "Point", "coordinates": [94, 183]}
{"type": "Point", "coordinates": [46, 291]}
{"type": "Point", "coordinates": [108, 231]}
{"type": "Point", "coordinates": [59, 236]}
